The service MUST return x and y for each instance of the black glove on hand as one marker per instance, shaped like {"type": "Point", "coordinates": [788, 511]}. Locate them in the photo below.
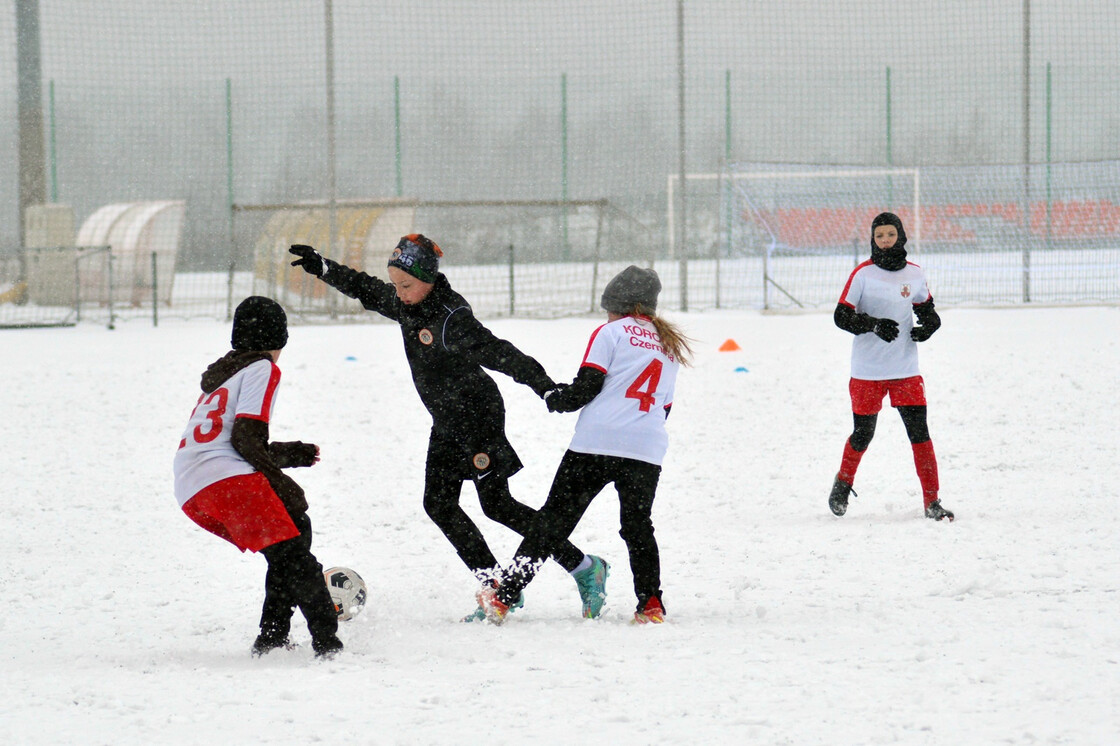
{"type": "Point", "coordinates": [922, 333]}
{"type": "Point", "coordinates": [310, 259]}
{"type": "Point", "coordinates": [886, 329]}
{"type": "Point", "coordinates": [552, 396]}
{"type": "Point", "coordinates": [928, 321]}
{"type": "Point", "coordinates": [294, 453]}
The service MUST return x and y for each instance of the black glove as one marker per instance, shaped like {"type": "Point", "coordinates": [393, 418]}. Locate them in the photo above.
{"type": "Point", "coordinates": [886, 329]}
{"type": "Point", "coordinates": [921, 333]}
{"type": "Point", "coordinates": [293, 453]}
{"type": "Point", "coordinates": [310, 259]}
{"type": "Point", "coordinates": [552, 396]}
{"type": "Point", "coordinates": [928, 321]}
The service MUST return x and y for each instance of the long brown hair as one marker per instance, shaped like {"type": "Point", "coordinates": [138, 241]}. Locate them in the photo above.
{"type": "Point", "coordinates": [673, 340]}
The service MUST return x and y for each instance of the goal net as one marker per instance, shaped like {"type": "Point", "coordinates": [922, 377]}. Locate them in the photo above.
{"type": "Point", "coordinates": [984, 234]}
{"type": "Point", "coordinates": [805, 229]}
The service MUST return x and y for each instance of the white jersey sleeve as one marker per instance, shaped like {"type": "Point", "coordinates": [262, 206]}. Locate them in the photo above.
{"type": "Point", "coordinates": [627, 417]}
{"type": "Point", "coordinates": [206, 454]}
{"type": "Point", "coordinates": [885, 295]}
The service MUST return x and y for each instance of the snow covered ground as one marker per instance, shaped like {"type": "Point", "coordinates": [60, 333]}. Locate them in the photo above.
{"type": "Point", "coordinates": [123, 623]}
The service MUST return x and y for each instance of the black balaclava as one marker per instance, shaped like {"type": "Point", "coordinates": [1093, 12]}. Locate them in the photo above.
{"type": "Point", "coordinates": [894, 258]}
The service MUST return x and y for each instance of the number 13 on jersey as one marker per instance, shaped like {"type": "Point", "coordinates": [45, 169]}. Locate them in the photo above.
{"type": "Point", "coordinates": [213, 408]}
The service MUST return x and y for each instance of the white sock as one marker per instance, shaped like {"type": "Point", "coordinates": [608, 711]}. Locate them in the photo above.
{"type": "Point", "coordinates": [586, 563]}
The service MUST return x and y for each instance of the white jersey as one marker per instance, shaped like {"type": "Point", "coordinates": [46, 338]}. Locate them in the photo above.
{"type": "Point", "coordinates": [885, 295]}
{"type": "Point", "coordinates": [206, 455]}
{"type": "Point", "coordinates": [627, 418]}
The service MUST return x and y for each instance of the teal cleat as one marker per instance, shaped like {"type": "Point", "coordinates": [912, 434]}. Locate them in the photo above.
{"type": "Point", "coordinates": [592, 584]}
{"type": "Point", "coordinates": [479, 614]}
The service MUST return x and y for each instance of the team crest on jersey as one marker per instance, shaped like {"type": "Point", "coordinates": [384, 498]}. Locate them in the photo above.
{"type": "Point", "coordinates": [481, 461]}
{"type": "Point", "coordinates": [905, 291]}
{"type": "Point", "coordinates": [425, 336]}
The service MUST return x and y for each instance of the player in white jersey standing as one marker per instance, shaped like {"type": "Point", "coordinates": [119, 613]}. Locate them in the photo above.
{"type": "Point", "coordinates": [625, 389]}
{"type": "Point", "coordinates": [878, 305]}
{"type": "Point", "coordinates": [228, 478]}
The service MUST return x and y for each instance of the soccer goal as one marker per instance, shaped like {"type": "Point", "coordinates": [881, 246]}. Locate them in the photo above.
{"type": "Point", "coordinates": [788, 234]}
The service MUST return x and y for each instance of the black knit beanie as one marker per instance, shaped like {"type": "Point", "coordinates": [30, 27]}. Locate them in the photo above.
{"type": "Point", "coordinates": [259, 323]}
{"type": "Point", "coordinates": [631, 287]}
{"type": "Point", "coordinates": [417, 255]}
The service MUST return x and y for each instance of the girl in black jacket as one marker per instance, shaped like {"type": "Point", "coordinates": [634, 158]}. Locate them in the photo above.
{"type": "Point", "coordinates": [447, 349]}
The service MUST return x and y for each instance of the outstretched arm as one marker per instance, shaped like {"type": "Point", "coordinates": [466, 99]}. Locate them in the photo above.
{"type": "Point", "coordinates": [466, 334]}
{"type": "Point", "coordinates": [372, 292]}
{"type": "Point", "coordinates": [572, 396]}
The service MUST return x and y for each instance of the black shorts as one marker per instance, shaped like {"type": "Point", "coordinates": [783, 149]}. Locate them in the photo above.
{"type": "Point", "coordinates": [475, 456]}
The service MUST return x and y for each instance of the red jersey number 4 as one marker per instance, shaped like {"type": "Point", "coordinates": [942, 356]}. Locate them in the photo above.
{"type": "Point", "coordinates": [645, 386]}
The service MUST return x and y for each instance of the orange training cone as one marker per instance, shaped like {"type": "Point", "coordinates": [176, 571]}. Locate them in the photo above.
{"type": "Point", "coordinates": [729, 346]}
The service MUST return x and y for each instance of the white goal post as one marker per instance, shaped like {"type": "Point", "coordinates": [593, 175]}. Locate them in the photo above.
{"type": "Point", "coordinates": [733, 178]}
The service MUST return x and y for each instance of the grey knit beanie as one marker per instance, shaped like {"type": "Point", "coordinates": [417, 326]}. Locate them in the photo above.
{"type": "Point", "coordinates": [630, 287]}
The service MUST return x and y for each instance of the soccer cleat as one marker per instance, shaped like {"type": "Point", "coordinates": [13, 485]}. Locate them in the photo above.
{"type": "Point", "coordinates": [652, 613]}
{"type": "Point", "coordinates": [838, 498]}
{"type": "Point", "coordinates": [492, 608]}
{"type": "Point", "coordinates": [479, 614]}
{"type": "Point", "coordinates": [265, 644]}
{"type": "Point", "coordinates": [592, 584]}
{"type": "Point", "coordinates": [937, 513]}
{"type": "Point", "coordinates": [327, 648]}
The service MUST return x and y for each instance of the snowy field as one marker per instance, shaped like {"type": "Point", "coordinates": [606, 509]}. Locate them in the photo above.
{"type": "Point", "coordinates": [123, 623]}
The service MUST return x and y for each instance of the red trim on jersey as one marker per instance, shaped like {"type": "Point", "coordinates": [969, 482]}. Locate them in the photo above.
{"type": "Point", "coordinates": [848, 284]}
{"type": "Point", "coordinates": [269, 392]}
{"type": "Point", "coordinates": [588, 350]}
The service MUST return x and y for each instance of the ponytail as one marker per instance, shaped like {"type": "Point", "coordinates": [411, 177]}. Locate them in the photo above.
{"type": "Point", "coordinates": [673, 340]}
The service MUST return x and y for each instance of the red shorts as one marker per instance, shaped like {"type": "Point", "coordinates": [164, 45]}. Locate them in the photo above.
{"type": "Point", "coordinates": [867, 396]}
{"type": "Point", "coordinates": [244, 511]}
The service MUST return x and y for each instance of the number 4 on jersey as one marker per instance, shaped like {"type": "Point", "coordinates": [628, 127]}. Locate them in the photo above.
{"type": "Point", "coordinates": [645, 386]}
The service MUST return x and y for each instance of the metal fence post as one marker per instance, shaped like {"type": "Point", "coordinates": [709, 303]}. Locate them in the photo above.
{"type": "Point", "coordinates": [511, 286]}
{"type": "Point", "coordinates": [112, 320]}
{"type": "Point", "coordinates": [155, 291]}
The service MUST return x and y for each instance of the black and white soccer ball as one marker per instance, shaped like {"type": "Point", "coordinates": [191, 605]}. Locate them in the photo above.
{"type": "Point", "coordinates": [348, 591]}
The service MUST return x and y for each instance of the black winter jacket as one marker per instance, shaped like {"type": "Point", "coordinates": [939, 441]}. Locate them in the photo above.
{"type": "Point", "coordinates": [447, 349]}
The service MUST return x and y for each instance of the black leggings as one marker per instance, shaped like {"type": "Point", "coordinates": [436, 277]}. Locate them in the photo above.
{"type": "Point", "coordinates": [579, 479]}
{"type": "Point", "coordinates": [913, 418]}
{"type": "Point", "coordinates": [442, 490]}
{"type": "Point", "coordinates": [295, 578]}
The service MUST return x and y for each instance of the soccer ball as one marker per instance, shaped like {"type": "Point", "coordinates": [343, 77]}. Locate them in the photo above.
{"type": "Point", "coordinates": [348, 591]}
